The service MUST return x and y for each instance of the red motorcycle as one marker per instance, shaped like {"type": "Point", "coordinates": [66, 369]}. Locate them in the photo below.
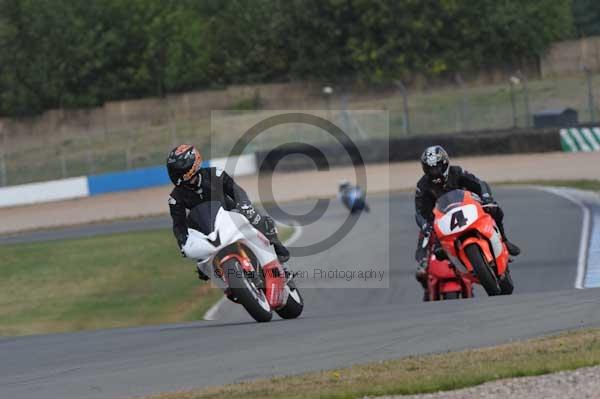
{"type": "Point", "coordinates": [472, 242]}
{"type": "Point", "coordinates": [444, 281]}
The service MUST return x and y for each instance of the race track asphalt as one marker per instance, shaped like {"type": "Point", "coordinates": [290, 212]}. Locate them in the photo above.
{"type": "Point", "coordinates": [343, 324]}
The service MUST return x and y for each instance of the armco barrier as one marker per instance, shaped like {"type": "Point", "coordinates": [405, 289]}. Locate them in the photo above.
{"type": "Point", "coordinates": [54, 190]}
{"type": "Point", "coordinates": [372, 151]}
{"type": "Point", "coordinates": [127, 180]}
{"type": "Point", "coordinates": [243, 165]}
{"type": "Point", "coordinates": [302, 157]}
{"type": "Point", "coordinates": [133, 179]}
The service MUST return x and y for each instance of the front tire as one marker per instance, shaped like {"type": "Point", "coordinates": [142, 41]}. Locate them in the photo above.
{"type": "Point", "coordinates": [506, 283]}
{"type": "Point", "coordinates": [487, 278]}
{"type": "Point", "coordinates": [294, 305]}
{"type": "Point", "coordinates": [245, 291]}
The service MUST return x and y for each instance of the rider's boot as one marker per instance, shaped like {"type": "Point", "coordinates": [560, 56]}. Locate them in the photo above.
{"type": "Point", "coordinates": [270, 231]}
{"type": "Point", "coordinates": [201, 274]}
{"type": "Point", "coordinates": [283, 254]}
{"type": "Point", "coordinates": [513, 249]}
{"type": "Point", "coordinates": [421, 276]}
{"type": "Point", "coordinates": [426, 295]}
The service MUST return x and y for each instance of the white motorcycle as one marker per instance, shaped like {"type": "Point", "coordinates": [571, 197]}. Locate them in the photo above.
{"type": "Point", "coordinates": [240, 260]}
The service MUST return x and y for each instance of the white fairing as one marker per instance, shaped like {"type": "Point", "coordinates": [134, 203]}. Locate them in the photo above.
{"type": "Point", "coordinates": [496, 241]}
{"type": "Point", "coordinates": [448, 224]}
{"type": "Point", "coordinates": [230, 227]}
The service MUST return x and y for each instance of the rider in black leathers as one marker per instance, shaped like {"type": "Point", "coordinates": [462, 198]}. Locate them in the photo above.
{"type": "Point", "coordinates": [440, 178]}
{"type": "Point", "coordinates": [195, 185]}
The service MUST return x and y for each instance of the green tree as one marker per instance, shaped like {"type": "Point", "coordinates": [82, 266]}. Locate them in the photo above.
{"type": "Point", "coordinates": [586, 15]}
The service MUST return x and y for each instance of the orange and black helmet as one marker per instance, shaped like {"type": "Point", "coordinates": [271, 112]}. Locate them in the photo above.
{"type": "Point", "coordinates": [183, 164]}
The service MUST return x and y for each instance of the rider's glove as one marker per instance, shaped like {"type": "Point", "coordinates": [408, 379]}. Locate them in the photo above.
{"type": "Point", "coordinates": [487, 199]}
{"type": "Point", "coordinates": [249, 212]}
{"type": "Point", "coordinates": [427, 229]}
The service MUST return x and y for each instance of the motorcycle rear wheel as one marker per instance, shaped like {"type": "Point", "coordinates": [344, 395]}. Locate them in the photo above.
{"type": "Point", "coordinates": [245, 291]}
{"type": "Point", "coordinates": [451, 295]}
{"type": "Point", "coordinates": [485, 274]}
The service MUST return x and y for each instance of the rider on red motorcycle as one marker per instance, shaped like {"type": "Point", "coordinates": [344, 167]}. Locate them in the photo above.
{"type": "Point", "coordinates": [440, 178]}
{"type": "Point", "coordinates": [195, 185]}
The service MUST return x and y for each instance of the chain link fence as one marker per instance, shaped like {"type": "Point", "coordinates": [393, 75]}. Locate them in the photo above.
{"type": "Point", "coordinates": [511, 102]}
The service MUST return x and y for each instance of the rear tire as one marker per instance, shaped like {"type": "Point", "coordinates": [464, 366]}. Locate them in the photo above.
{"type": "Point", "coordinates": [451, 295]}
{"type": "Point", "coordinates": [484, 273]}
{"type": "Point", "coordinates": [506, 283]}
{"type": "Point", "coordinates": [246, 292]}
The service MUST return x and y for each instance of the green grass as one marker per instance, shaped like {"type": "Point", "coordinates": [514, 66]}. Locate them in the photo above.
{"type": "Point", "coordinates": [583, 184]}
{"type": "Point", "coordinates": [422, 374]}
{"type": "Point", "coordinates": [110, 281]}
{"type": "Point", "coordinates": [120, 280]}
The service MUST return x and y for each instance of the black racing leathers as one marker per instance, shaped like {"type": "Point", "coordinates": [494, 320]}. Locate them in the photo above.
{"type": "Point", "coordinates": [214, 185]}
{"type": "Point", "coordinates": [427, 194]}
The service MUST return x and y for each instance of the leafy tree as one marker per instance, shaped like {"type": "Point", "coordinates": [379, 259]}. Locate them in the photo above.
{"type": "Point", "coordinates": [586, 15]}
{"type": "Point", "coordinates": [73, 53]}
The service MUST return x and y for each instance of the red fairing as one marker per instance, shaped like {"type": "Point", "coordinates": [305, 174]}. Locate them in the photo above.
{"type": "Point", "coordinates": [274, 283]}
{"type": "Point", "coordinates": [481, 230]}
{"type": "Point", "coordinates": [440, 269]}
{"type": "Point", "coordinates": [443, 278]}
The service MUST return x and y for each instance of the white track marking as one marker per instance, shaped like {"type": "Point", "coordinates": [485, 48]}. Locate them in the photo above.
{"type": "Point", "coordinates": [592, 272]}
{"type": "Point", "coordinates": [212, 312]}
{"type": "Point", "coordinates": [585, 232]}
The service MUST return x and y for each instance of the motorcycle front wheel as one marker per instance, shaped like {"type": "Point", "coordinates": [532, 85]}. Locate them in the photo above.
{"type": "Point", "coordinates": [485, 274]}
{"type": "Point", "coordinates": [245, 291]}
{"type": "Point", "coordinates": [506, 283]}
{"type": "Point", "coordinates": [294, 305]}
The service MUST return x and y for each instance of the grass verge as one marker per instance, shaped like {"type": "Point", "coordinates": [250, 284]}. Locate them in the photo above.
{"type": "Point", "coordinates": [120, 280]}
{"type": "Point", "coordinates": [583, 184]}
{"type": "Point", "coordinates": [422, 374]}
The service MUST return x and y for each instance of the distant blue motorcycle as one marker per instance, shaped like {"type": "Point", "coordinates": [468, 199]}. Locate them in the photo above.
{"type": "Point", "coordinates": [353, 197]}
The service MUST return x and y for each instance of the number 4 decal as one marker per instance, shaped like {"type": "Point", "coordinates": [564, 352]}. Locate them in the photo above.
{"type": "Point", "coordinates": [458, 220]}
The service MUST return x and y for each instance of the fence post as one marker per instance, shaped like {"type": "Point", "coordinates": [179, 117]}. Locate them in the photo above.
{"type": "Point", "coordinates": [525, 99]}
{"type": "Point", "coordinates": [405, 117]}
{"type": "Point", "coordinates": [3, 173]}
{"type": "Point", "coordinates": [590, 87]}
{"type": "Point", "coordinates": [464, 104]}
{"type": "Point", "coordinates": [128, 153]}
{"type": "Point", "coordinates": [513, 81]}
{"type": "Point", "coordinates": [173, 122]}
{"type": "Point", "coordinates": [63, 165]}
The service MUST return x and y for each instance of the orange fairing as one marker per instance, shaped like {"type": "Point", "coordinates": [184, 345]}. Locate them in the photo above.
{"type": "Point", "coordinates": [464, 222]}
{"type": "Point", "coordinates": [274, 283]}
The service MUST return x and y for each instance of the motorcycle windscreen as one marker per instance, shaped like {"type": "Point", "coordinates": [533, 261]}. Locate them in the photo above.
{"type": "Point", "coordinates": [203, 216]}
{"type": "Point", "coordinates": [450, 200]}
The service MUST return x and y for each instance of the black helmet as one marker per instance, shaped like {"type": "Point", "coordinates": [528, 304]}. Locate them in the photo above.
{"type": "Point", "coordinates": [183, 165]}
{"type": "Point", "coordinates": [435, 163]}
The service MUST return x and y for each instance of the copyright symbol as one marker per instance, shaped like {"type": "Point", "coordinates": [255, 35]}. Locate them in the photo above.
{"type": "Point", "coordinates": [317, 156]}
